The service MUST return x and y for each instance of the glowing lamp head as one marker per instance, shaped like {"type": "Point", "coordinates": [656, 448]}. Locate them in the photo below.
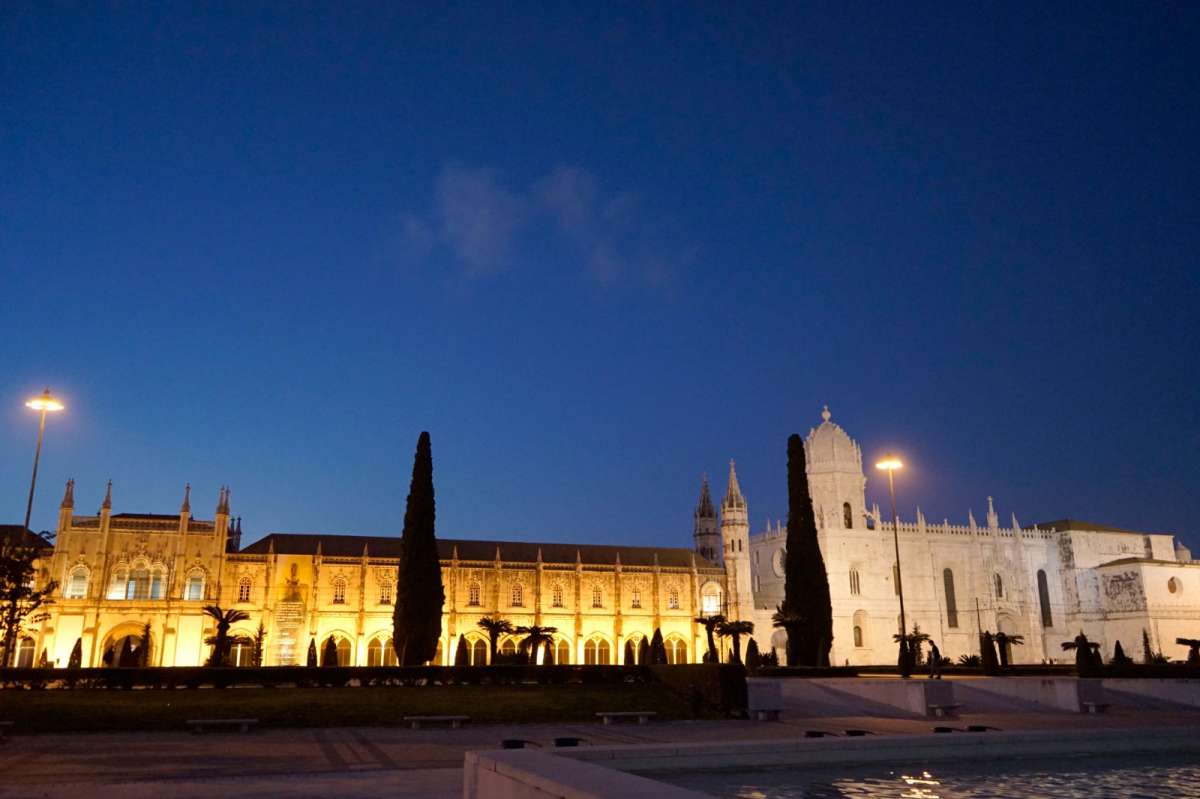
{"type": "Point", "coordinates": [46, 402]}
{"type": "Point", "coordinates": [889, 464]}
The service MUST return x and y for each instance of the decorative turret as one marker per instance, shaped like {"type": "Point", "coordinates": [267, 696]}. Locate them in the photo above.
{"type": "Point", "coordinates": [833, 462]}
{"type": "Point", "coordinates": [186, 506]}
{"type": "Point", "coordinates": [704, 526]}
{"type": "Point", "coordinates": [735, 538]}
{"type": "Point", "coordinates": [106, 505]}
{"type": "Point", "coordinates": [67, 507]}
{"type": "Point", "coordinates": [221, 528]}
{"type": "Point", "coordinates": [993, 520]}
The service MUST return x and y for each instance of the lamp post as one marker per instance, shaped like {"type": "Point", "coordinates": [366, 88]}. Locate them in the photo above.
{"type": "Point", "coordinates": [890, 464]}
{"type": "Point", "coordinates": [43, 404]}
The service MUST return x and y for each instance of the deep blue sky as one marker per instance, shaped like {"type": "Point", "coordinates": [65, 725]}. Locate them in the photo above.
{"type": "Point", "coordinates": [597, 253]}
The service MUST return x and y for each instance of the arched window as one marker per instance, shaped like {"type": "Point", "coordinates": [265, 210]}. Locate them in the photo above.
{"type": "Point", "coordinates": [860, 628]}
{"type": "Point", "coordinates": [24, 658]}
{"type": "Point", "coordinates": [387, 590]}
{"type": "Point", "coordinates": [518, 595]}
{"type": "Point", "coordinates": [241, 652]}
{"type": "Point", "coordinates": [339, 590]}
{"type": "Point", "coordinates": [596, 652]}
{"type": "Point", "coordinates": [999, 583]}
{"type": "Point", "coordinates": [77, 583]}
{"type": "Point", "coordinates": [194, 589]}
{"type": "Point", "coordinates": [473, 595]}
{"type": "Point", "coordinates": [597, 597]}
{"type": "Point", "coordinates": [556, 596]}
{"type": "Point", "coordinates": [847, 516]}
{"type": "Point", "coordinates": [157, 582]}
{"type": "Point", "coordinates": [342, 645]}
{"type": "Point", "coordinates": [896, 578]}
{"type": "Point", "coordinates": [676, 649]}
{"type": "Point", "coordinates": [951, 600]}
{"type": "Point", "coordinates": [381, 652]}
{"type": "Point", "coordinates": [244, 586]}
{"type": "Point", "coordinates": [138, 586]}
{"type": "Point", "coordinates": [508, 647]}
{"type": "Point", "coordinates": [673, 599]}
{"type": "Point", "coordinates": [562, 653]}
{"type": "Point", "coordinates": [710, 599]}
{"type": "Point", "coordinates": [635, 598]}
{"type": "Point", "coordinates": [117, 587]}
{"type": "Point", "coordinates": [1044, 599]}
{"type": "Point", "coordinates": [855, 586]}
{"type": "Point", "coordinates": [479, 653]}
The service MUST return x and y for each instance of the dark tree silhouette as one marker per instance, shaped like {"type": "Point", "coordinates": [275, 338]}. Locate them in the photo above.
{"type": "Point", "coordinates": [658, 649]}
{"type": "Point", "coordinates": [224, 619]}
{"type": "Point", "coordinates": [1193, 645]}
{"type": "Point", "coordinates": [417, 619]}
{"type": "Point", "coordinates": [143, 653]}
{"type": "Point", "coordinates": [710, 624]}
{"type": "Point", "coordinates": [643, 652]}
{"type": "Point", "coordinates": [735, 630]}
{"type": "Point", "coordinates": [494, 627]}
{"type": "Point", "coordinates": [21, 601]}
{"type": "Point", "coordinates": [76, 660]}
{"type": "Point", "coordinates": [311, 661]}
{"type": "Point", "coordinates": [260, 644]}
{"type": "Point", "coordinates": [461, 656]}
{"type": "Point", "coordinates": [329, 655]}
{"type": "Point", "coordinates": [1119, 657]}
{"type": "Point", "coordinates": [1003, 643]}
{"type": "Point", "coordinates": [753, 660]}
{"type": "Point", "coordinates": [629, 657]}
{"type": "Point", "coordinates": [535, 636]}
{"type": "Point", "coordinates": [806, 604]}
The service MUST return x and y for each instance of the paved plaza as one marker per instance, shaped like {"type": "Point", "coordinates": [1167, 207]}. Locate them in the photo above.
{"type": "Point", "coordinates": [379, 761]}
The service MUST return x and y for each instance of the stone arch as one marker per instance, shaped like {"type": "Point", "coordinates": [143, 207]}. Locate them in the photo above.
{"type": "Point", "coordinates": [677, 648]}
{"type": "Point", "coordinates": [381, 651]}
{"type": "Point", "coordinates": [597, 650]}
{"type": "Point", "coordinates": [343, 644]}
{"type": "Point", "coordinates": [114, 644]}
{"type": "Point", "coordinates": [860, 629]}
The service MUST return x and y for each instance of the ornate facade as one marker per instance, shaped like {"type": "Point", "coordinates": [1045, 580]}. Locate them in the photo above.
{"type": "Point", "coordinates": [119, 572]}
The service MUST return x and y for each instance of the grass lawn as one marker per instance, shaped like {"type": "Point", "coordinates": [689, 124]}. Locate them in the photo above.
{"type": "Point", "coordinates": [96, 710]}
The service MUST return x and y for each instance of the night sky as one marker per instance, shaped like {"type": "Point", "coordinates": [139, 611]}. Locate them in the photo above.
{"type": "Point", "coordinates": [596, 254]}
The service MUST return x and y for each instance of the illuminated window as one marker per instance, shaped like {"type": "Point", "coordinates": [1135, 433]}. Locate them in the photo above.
{"type": "Point", "coordinates": [673, 599]}
{"type": "Point", "coordinates": [77, 583]}
{"type": "Point", "coordinates": [473, 594]}
{"type": "Point", "coordinates": [635, 599]}
{"type": "Point", "coordinates": [138, 585]}
{"type": "Point", "coordinates": [244, 586]}
{"type": "Point", "coordinates": [710, 599]}
{"type": "Point", "coordinates": [339, 591]}
{"type": "Point", "coordinates": [518, 595]}
{"type": "Point", "coordinates": [157, 583]}
{"type": "Point", "coordinates": [380, 652]}
{"type": "Point", "coordinates": [676, 649]}
{"type": "Point", "coordinates": [194, 588]}
{"type": "Point", "coordinates": [596, 652]}
{"type": "Point", "coordinates": [556, 596]}
{"type": "Point", "coordinates": [386, 590]}
{"type": "Point", "coordinates": [597, 597]}
{"type": "Point", "coordinates": [117, 587]}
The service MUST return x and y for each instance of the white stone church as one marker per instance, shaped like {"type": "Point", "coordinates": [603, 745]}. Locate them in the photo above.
{"type": "Point", "coordinates": [1045, 582]}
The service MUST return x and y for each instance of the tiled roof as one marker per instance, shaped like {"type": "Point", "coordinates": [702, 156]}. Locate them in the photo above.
{"type": "Point", "coordinates": [477, 550]}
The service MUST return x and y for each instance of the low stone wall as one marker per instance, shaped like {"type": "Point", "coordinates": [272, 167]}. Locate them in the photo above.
{"type": "Point", "coordinates": [1180, 692]}
{"type": "Point", "coordinates": [522, 774]}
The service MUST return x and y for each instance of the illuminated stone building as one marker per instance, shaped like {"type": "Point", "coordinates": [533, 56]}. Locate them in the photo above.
{"type": "Point", "coordinates": [118, 572]}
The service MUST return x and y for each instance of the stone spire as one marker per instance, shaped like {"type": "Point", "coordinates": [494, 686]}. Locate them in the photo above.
{"type": "Point", "coordinates": [733, 494]}
{"type": "Point", "coordinates": [705, 510]}
{"type": "Point", "coordinates": [107, 503]}
{"type": "Point", "coordinates": [69, 496]}
{"type": "Point", "coordinates": [186, 507]}
{"type": "Point", "coordinates": [993, 520]}
{"type": "Point", "coordinates": [223, 500]}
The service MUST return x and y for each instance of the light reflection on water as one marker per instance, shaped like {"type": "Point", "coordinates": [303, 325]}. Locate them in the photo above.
{"type": "Point", "coordinates": [1115, 777]}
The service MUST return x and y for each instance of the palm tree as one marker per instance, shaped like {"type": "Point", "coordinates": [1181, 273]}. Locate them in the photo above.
{"type": "Point", "coordinates": [534, 637]}
{"type": "Point", "coordinates": [793, 624]}
{"type": "Point", "coordinates": [975, 661]}
{"type": "Point", "coordinates": [710, 623]}
{"type": "Point", "coordinates": [494, 627]}
{"type": "Point", "coordinates": [913, 640]}
{"type": "Point", "coordinates": [1193, 645]}
{"type": "Point", "coordinates": [224, 619]}
{"type": "Point", "coordinates": [735, 630]}
{"type": "Point", "coordinates": [1004, 641]}
{"type": "Point", "coordinates": [1087, 654]}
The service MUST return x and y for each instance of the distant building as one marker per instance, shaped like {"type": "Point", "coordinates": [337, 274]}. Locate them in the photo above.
{"type": "Point", "coordinates": [118, 572]}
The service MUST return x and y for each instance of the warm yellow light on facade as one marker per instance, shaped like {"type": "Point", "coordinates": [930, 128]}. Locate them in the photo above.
{"type": "Point", "coordinates": [889, 463]}
{"type": "Point", "coordinates": [46, 402]}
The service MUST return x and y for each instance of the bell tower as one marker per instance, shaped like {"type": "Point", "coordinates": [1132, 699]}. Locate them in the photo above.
{"type": "Point", "coordinates": [704, 526]}
{"type": "Point", "coordinates": [735, 538]}
{"type": "Point", "coordinates": [835, 476]}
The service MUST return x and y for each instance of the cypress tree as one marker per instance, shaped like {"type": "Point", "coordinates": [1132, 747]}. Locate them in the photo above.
{"type": "Point", "coordinates": [1119, 657]}
{"type": "Point", "coordinates": [806, 585]}
{"type": "Point", "coordinates": [417, 620]}
{"type": "Point", "coordinates": [752, 657]}
{"type": "Point", "coordinates": [628, 652]}
{"type": "Point", "coordinates": [643, 652]}
{"type": "Point", "coordinates": [1147, 652]}
{"type": "Point", "coordinates": [143, 653]}
{"type": "Point", "coordinates": [658, 649]}
{"type": "Point", "coordinates": [76, 660]}
{"type": "Point", "coordinates": [329, 653]}
{"type": "Point", "coordinates": [548, 653]}
{"type": "Point", "coordinates": [126, 658]}
{"type": "Point", "coordinates": [312, 654]}
{"type": "Point", "coordinates": [43, 661]}
{"type": "Point", "coordinates": [461, 657]}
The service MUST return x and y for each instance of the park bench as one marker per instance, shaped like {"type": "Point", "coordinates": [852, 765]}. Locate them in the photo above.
{"type": "Point", "coordinates": [640, 715]}
{"type": "Point", "coordinates": [944, 710]}
{"type": "Point", "coordinates": [1094, 707]}
{"type": "Point", "coordinates": [454, 721]}
{"type": "Point", "coordinates": [767, 714]}
{"type": "Point", "coordinates": [200, 725]}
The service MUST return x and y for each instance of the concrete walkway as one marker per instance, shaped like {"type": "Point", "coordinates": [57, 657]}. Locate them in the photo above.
{"type": "Point", "coordinates": [354, 762]}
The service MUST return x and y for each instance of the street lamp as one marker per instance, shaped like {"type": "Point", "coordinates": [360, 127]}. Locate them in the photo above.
{"type": "Point", "coordinates": [890, 464]}
{"type": "Point", "coordinates": [43, 405]}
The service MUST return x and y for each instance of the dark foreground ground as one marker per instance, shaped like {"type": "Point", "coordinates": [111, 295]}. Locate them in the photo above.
{"type": "Point", "coordinates": [378, 761]}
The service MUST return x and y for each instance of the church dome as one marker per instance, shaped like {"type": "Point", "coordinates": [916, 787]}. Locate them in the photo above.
{"type": "Point", "coordinates": [828, 448]}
